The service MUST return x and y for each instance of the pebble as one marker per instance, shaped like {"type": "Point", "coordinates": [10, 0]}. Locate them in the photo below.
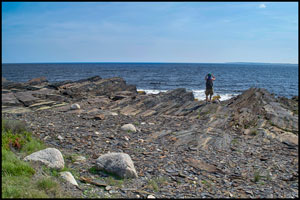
{"type": "Point", "coordinates": [151, 196]}
{"type": "Point", "coordinates": [108, 188]}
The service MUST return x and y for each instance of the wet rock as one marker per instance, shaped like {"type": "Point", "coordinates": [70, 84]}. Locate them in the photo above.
{"type": "Point", "coordinates": [37, 81]}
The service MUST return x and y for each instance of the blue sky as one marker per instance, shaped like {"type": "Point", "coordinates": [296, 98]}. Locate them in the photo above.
{"type": "Point", "coordinates": [193, 32]}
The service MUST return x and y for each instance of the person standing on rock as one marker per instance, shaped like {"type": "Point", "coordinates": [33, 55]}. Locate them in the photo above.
{"type": "Point", "coordinates": [209, 78]}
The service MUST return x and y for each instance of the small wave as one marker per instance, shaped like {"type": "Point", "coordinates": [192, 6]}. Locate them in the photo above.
{"type": "Point", "coordinates": [198, 94]}
{"type": "Point", "coordinates": [152, 91]}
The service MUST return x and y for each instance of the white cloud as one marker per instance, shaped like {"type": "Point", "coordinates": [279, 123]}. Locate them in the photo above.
{"type": "Point", "coordinates": [262, 5]}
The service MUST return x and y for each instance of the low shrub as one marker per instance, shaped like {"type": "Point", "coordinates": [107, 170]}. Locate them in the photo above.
{"type": "Point", "coordinates": [15, 126]}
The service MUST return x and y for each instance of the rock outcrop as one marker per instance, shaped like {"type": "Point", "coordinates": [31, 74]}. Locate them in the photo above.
{"type": "Point", "coordinates": [215, 150]}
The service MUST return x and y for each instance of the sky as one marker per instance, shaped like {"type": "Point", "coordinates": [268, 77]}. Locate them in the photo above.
{"type": "Point", "coordinates": [184, 32]}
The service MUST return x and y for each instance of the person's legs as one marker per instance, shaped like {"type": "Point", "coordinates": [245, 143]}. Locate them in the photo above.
{"type": "Point", "coordinates": [211, 92]}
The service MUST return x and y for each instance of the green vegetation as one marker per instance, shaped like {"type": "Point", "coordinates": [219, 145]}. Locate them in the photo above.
{"type": "Point", "coordinates": [93, 170]}
{"type": "Point", "coordinates": [206, 182]}
{"type": "Point", "coordinates": [18, 177]}
{"type": "Point", "coordinates": [15, 136]}
{"type": "Point", "coordinates": [13, 166]}
{"type": "Point", "coordinates": [46, 184]}
{"type": "Point", "coordinates": [253, 132]}
{"type": "Point", "coordinates": [156, 182]}
{"type": "Point", "coordinates": [257, 176]}
{"type": "Point", "coordinates": [234, 141]}
{"type": "Point", "coordinates": [153, 185]}
{"type": "Point", "coordinates": [71, 157]}
{"type": "Point", "coordinates": [114, 182]}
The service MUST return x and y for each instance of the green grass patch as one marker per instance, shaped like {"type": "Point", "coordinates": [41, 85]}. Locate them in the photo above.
{"type": "Point", "coordinates": [156, 182]}
{"type": "Point", "coordinates": [114, 181]}
{"type": "Point", "coordinates": [46, 183]}
{"type": "Point", "coordinates": [20, 187]}
{"type": "Point", "coordinates": [15, 136]}
{"type": "Point", "coordinates": [153, 185]}
{"type": "Point", "coordinates": [18, 179]}
{"type": "Point", "coordinates": [32, 146]}
{"type": "Point", "coordinates": [93, 170]}
{"type": "Point", "coordinates": [13, 166]}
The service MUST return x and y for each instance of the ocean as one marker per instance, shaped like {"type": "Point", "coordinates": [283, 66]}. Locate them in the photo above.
{"type": "Point", "coordinates": [231, 78]}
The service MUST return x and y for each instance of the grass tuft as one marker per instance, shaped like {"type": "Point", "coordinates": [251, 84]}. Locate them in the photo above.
{"type": "Point", "coordinates": [156, 183]}
{"type": "Point", "coordinates": [257, 176]}
{"type": "Point", "coordinates": [46, 184]}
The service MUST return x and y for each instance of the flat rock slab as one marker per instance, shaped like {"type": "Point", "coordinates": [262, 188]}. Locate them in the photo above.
{"type": "Point", "coordinates": [15, 110]}
{"type": "Point", "coordinates": [27, 98]}
{"type": "Point", "coordinates": [9, 99]}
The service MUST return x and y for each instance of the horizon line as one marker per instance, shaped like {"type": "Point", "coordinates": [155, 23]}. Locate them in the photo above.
{"type": "Point", "coordinates": [69, 62]}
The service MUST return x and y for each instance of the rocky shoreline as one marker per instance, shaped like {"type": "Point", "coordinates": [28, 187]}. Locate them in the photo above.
{"type": "Point", "coordinates": [244, 147]}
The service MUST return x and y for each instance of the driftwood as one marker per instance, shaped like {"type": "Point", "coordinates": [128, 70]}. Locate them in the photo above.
{"type": "Point", "coordinates": [89, 180]}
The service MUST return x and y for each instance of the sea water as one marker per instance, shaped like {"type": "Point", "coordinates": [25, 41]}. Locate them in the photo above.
{"type": "Point", "coordinates": [231, 78]}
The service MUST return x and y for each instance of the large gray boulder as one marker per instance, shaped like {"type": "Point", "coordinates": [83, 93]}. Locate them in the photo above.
{"type": "Point", "coordinates": [51, 157]}
{"type": "Point", "coordinates": [119, 164]}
